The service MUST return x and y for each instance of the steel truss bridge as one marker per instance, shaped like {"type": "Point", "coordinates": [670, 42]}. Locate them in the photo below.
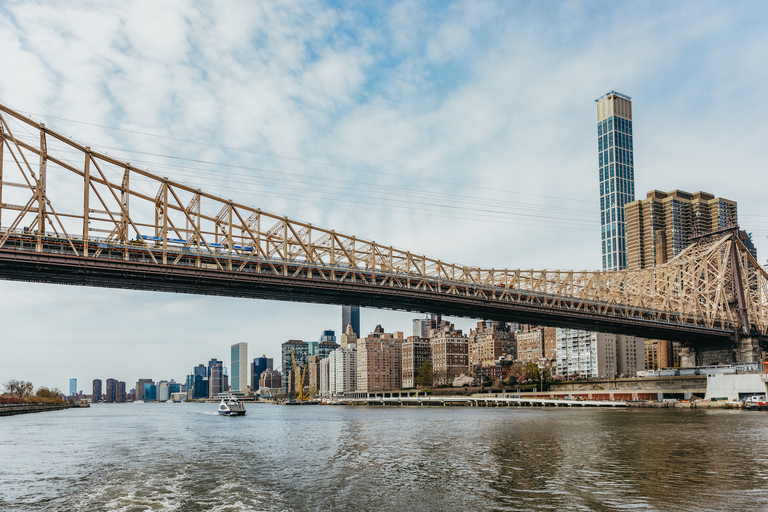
{"type": "Point", "coordinates": [71, 215]}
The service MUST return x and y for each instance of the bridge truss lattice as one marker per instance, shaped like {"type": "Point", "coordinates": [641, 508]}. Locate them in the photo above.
{"type": "Point", "coordinates": [59, 197]}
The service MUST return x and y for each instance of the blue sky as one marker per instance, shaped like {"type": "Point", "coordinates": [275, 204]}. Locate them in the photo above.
{"type": "Point", "coordinates": [462, 130]}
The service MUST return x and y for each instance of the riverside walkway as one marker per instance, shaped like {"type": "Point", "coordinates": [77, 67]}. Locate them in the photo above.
{"type": "Point", "coordinates": [446, 401]}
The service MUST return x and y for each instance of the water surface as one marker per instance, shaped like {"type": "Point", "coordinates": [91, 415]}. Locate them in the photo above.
{"type": "Point", "coordinates": [184, 457]}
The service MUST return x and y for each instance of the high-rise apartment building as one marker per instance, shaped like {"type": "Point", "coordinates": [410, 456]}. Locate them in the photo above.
{"type": "Point", "coordinates": [342, 371]}
{"type": "Point", "coordinates": [586, 354]}
{"type": "Point", "coordinates": [598, 355]}
{"type": "Point", "coordinates": [617, 174]}
{"type": "Point", "coordinates": [416, 351]}
{"type": "Point", "coordinates": [120, 392]}
{"type": "Point", "coordinates": [110, 394]}
{"type": "Point", "coordinates": [661, 226]}
{"type": "Point", "coordinates": [450, 356]}
{"type": "Point", "coordinates": [96, 397]}
{"type": "Point", "coordinates": [270, 379]}
{"type": "Point", "coordinates": [350, 315]}
{"type": "Point", "coordinates": [535, 343]}
{"type": "Point", "coordinates": [379, 361]}
{"type": "Point", "coordinates": [239, 358]}
{"type": "Point", "coordinates": [488, 342]}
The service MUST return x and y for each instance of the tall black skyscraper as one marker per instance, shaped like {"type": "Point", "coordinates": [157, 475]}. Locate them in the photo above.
{"type": "Point", "coordinates": [350, 315]}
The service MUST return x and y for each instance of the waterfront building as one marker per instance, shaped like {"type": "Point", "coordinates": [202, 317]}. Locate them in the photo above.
{"type": "Point", "coordinates": [239, 358]}
{"type": "Point", "coordinates": [72, 387]}
{"type": "Point", "coordinates": [259, 365]}
{"type": "Point", "coordinates": [140, 388]}
{"type": "Point", "coordinates": [662, 354]}
{"type": "Point", "coordinates": [150, 391]}
{"type": "Point", "coordinates": [490, 341]}
{"type": "Point", "coordinates": [630, 355]}
{"type": "Point", "coordinates": [110, 393]}
{"type": "Point", "coordinates": [586, 354]}
{"type": "Point", "coordinates": [379, 359]}
{"type": "Point", "coordinates": [301, 353]}
{"type": "Point", "coordinates": [349, 338]}
{"type": "Point", "coordinates": [661, 226]}
{"type": "Point", "coordinates": [163, 393]}
{"type": "Point", "coordinates": [96, 391]}
{"type": "Point", "coordinates": [350, 315]}
{"type": "Point", "coordinates": [416, 351]}
{"type": "Point", "coordinates": [342, 371]}
{"type": "Point", "coordinates": [270, 379]}
{"type": "Point", "coordinates": [617, 175]}
{"type": "Point", "coordinates": [450, 356]}
{"type": "Point", "coordinates": [120, 392]}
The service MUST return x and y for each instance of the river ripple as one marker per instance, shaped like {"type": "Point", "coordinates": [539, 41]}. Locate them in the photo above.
{"type": "Point", "coordinates": [183, 457]}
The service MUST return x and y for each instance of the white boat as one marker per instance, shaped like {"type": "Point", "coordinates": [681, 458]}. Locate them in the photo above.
{"type": "Point", "coordinates": [231, 407]}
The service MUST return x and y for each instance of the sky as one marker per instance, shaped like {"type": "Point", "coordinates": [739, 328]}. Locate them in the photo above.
{"type": "Point", "coordinates": [462, 130]}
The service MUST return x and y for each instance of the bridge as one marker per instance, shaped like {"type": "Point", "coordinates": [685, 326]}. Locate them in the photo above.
{"type": "Point", "coordinates": [71, 215]}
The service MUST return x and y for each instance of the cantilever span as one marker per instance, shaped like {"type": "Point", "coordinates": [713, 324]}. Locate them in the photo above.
{"type": "Point", "coordinates": [71, 215]}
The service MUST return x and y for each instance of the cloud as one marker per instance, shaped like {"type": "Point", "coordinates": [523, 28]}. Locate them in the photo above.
{"type": "Point", "coordinates": [452, 109]}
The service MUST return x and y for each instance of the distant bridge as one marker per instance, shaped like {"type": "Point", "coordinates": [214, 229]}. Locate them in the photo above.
{"type": "Point", "coordinates": [70, 215]}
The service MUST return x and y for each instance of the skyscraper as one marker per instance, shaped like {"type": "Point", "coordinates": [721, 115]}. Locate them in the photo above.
{"type": "Point", "coordinates": [72, 387]}
{"type": "Point", "coordinates": [350, 315]}
{"type": "Point", "coordinates": [239, 367]}
{"type": "Point", "coordinates": [259, 365]}
{"type": "Point", "coordinates": [617, 174]}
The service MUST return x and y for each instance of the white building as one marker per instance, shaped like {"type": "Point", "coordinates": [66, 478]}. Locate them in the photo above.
{"type": "Point", "coordinates": [598, 355]}
{"type": "Point", "coordinates": [239, 377]}
{"type": "Point", "coordinates": [342, 374]}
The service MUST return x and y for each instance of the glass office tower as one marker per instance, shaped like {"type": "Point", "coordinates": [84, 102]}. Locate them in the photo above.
{"type": "Point", "coordinates": [617, 174]}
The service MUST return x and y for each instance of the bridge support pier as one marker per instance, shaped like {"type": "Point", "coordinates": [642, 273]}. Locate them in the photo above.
{"type": "Point", "coordinates": [745, 350]}
{"type": "Point", "coordinates": [748, 350]}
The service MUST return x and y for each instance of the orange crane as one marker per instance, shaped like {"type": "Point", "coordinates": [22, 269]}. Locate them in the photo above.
{"type": "Point", "coordinates": [299, 383]}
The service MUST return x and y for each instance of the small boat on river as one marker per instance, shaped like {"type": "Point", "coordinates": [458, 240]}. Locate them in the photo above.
{"type": "Point", "coordinates": [231, 407]}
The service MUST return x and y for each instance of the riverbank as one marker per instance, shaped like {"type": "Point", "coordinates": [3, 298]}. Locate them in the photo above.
{"type": "Point", "coordinates": [13, 409]}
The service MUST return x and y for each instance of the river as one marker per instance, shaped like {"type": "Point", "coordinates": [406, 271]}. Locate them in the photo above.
{"type": "Point", "coordinates": [184, 457]}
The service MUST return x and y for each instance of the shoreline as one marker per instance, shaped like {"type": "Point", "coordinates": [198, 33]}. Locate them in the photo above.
{"type": "Point", "coordinates": [14, 409]}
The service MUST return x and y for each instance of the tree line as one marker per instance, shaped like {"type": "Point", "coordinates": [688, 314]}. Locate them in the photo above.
{"type": "Point", "coordinates": [21, 392]}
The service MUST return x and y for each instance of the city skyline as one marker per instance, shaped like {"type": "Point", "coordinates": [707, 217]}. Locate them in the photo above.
{"type": "Point", "coordinates": [445, 131]}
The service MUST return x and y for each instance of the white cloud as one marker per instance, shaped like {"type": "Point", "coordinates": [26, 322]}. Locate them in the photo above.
{"type": "Point", "coordinates": [493, 95]}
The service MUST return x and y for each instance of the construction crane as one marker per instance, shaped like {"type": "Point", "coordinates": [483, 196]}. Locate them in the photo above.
{"type": "Point", "coordinates": [299, 383]}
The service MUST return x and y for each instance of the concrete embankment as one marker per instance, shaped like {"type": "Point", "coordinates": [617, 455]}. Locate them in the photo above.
{"type": "Point", "coordinates": [10, 410]}
{"type": "Point", "coordinates": [695, 404]}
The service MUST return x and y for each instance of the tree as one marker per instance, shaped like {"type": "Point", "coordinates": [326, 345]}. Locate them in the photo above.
{"type": "Point", "coordinates": [424, 374]}
{"type": "Point", "coordinates": [19, 388]}
{"type": "Point", "coordinates": [462, 380]}
{"type": "Point", "coordinates": [48, 393]}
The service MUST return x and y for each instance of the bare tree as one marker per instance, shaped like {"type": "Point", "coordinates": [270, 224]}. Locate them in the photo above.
{"type": "Point", "coordinates": [19, 388]}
